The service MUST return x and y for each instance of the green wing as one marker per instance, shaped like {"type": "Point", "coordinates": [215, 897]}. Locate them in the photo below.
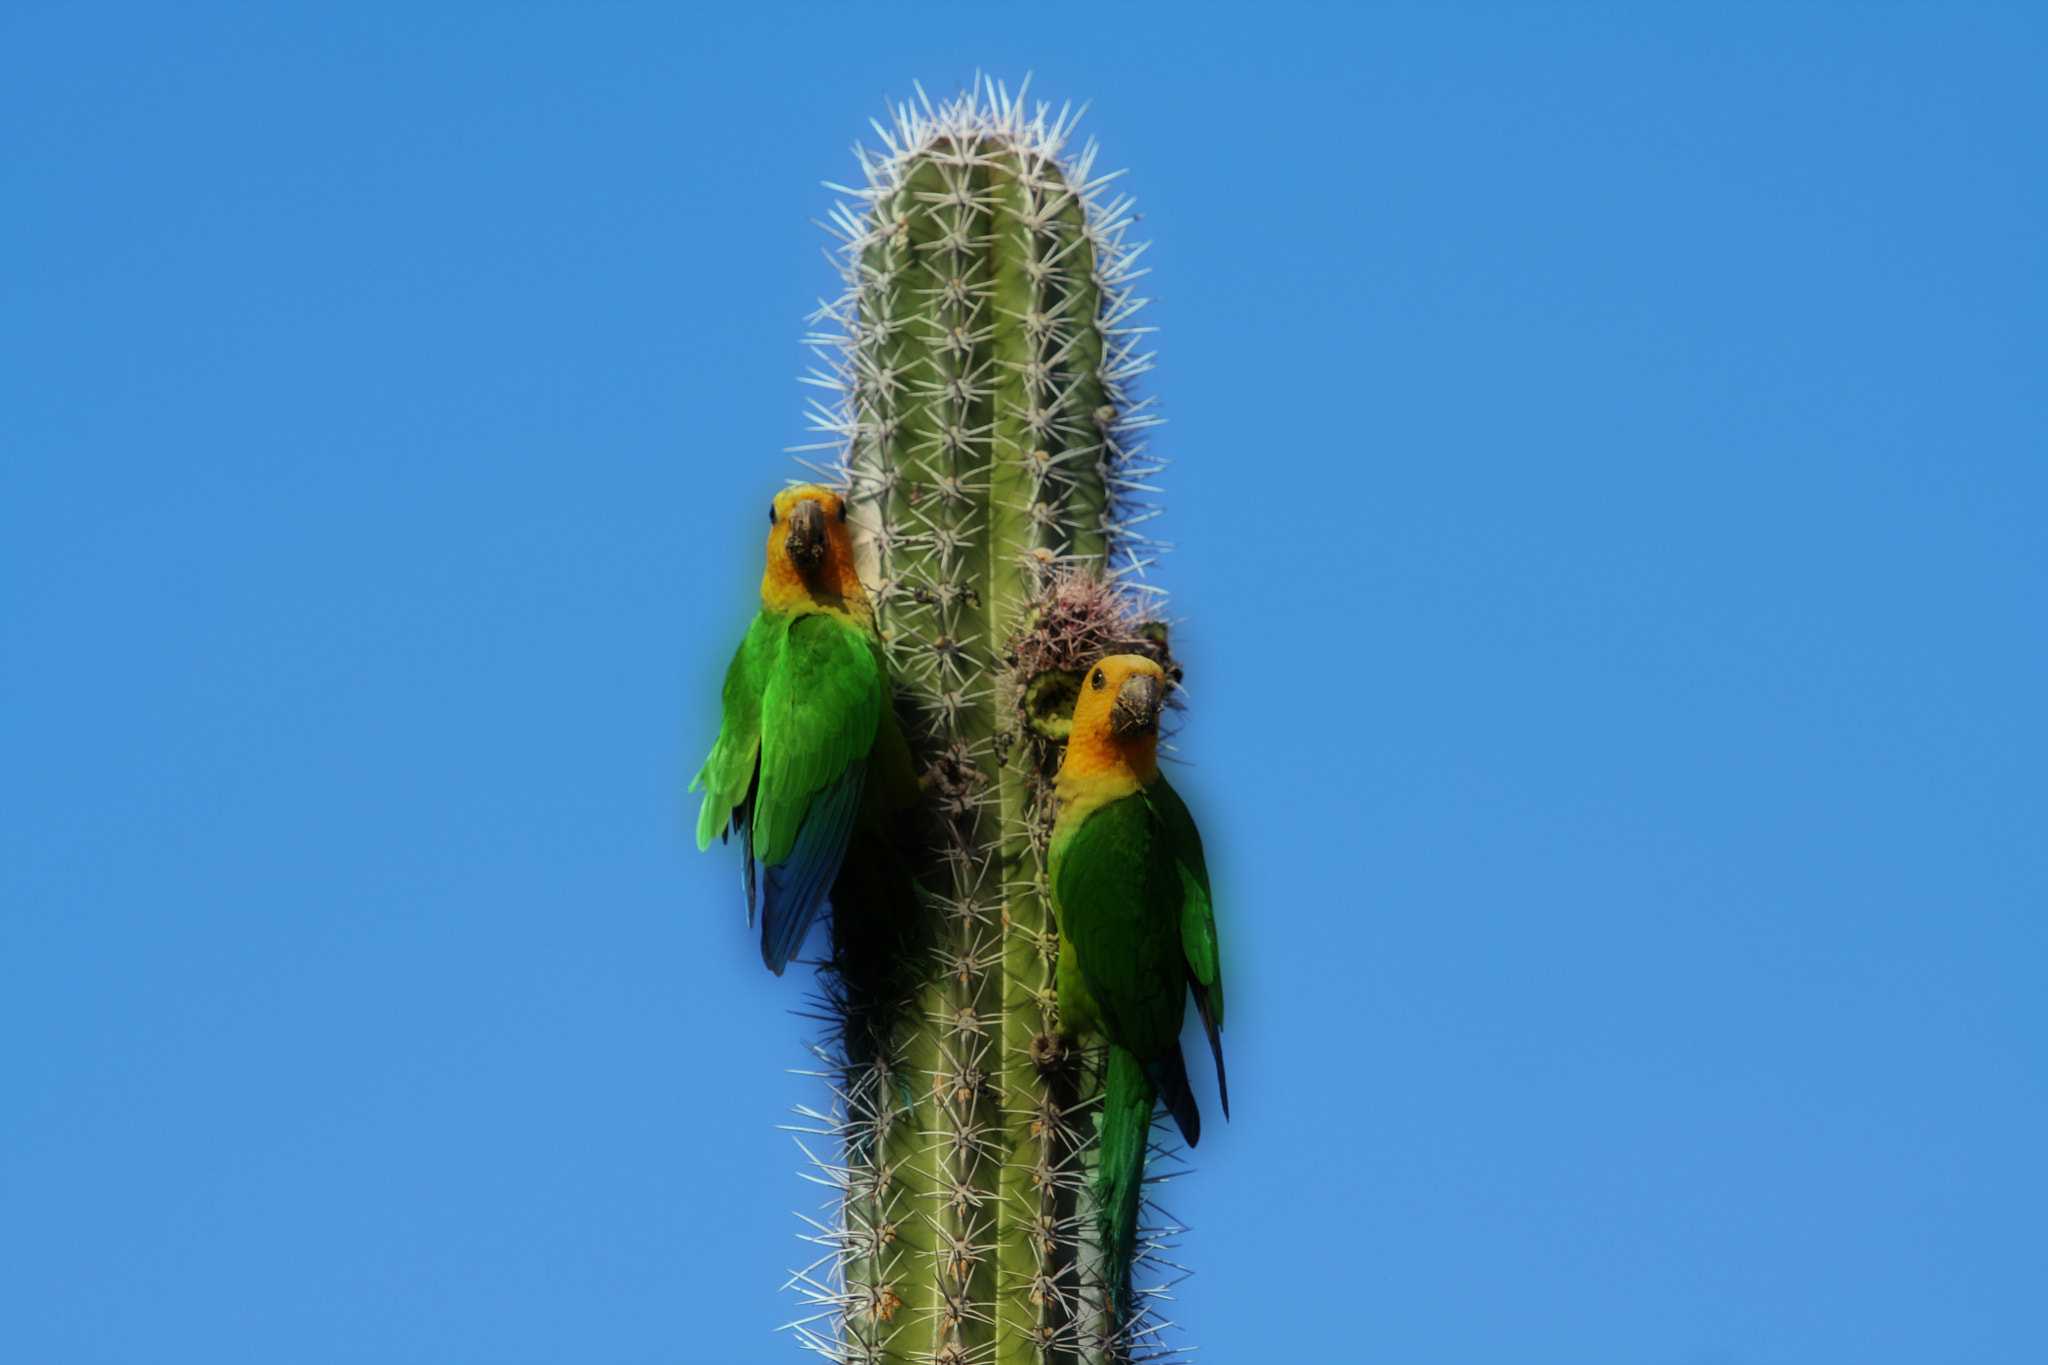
{"type": "Point", "coordinates": [1197, 914]}
{"type": "Point", "coordinates": [819, 709]}
{"type": "Point", "coordinates": [1197, 919]}
{"type": "Point", "coordinates": [1119, 893]}
{"type": "Point", "coordinates": [802, 699]}
{"type": "Point", "coordinates": [728, 774]}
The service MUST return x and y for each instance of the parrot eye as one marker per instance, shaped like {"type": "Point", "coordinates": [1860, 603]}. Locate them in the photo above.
{"type": "Point", "coordinates": [771, 514]}
{"type": "Point", "coordinates": [1098, 681]}
{"type": "Point", "coordinates": [842, 511]}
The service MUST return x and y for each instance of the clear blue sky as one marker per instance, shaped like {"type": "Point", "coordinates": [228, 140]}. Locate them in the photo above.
{"type": "Point", "coordinates": [1611, 464]}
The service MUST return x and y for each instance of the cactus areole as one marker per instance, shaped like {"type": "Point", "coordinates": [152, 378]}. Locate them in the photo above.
{"type": "Point", "coordinates": [981, 359]}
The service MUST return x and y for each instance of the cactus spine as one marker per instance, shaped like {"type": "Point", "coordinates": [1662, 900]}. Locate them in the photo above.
{"type": "Point", "coordinates": [984, 424]}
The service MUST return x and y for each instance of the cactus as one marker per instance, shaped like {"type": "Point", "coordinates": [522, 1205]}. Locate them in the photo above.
{"type": "Point", "coordinates": [982, 362]}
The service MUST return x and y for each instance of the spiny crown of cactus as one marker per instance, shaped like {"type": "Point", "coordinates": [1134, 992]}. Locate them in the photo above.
{"type": "Point", "coordinates": [981, 359]}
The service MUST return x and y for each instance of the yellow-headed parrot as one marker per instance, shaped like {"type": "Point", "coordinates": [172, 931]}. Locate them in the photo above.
{"type": "Point", "coordinates": [806, 705]}
{"type": "Point", "coordinates": [1137, 934]}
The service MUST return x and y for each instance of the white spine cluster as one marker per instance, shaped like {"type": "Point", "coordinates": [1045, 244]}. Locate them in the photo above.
{"type": "Point", "coordinates": [982, 116]}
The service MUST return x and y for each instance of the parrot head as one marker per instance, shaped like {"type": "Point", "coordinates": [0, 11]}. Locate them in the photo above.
{"type": "Point", "coordinates": [1116, 717]}
{"type": "Point", "coordinates": [810, 553]}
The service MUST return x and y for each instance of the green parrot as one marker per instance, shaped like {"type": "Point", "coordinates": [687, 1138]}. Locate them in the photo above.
{"type": "Point", "coordinates": [1137, 934]}
{"type": "Point", "coordinates": [807, 713]}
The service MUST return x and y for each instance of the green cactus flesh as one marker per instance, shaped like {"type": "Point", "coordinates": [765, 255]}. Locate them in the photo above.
{"type": "Point", "coordinates": [993, 453]}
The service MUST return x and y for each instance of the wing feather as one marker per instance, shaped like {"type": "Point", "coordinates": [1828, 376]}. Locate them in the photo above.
{"type": "Point", "coordinates": [728, 774]}
{"type": "Point", "coordinates": [1197, 913]}
{"type": "Point", "coordinates": [1197, 919]}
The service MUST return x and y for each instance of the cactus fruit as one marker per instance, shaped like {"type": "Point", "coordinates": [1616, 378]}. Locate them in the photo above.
{"type": "Point", "coordinates": [982, 356]}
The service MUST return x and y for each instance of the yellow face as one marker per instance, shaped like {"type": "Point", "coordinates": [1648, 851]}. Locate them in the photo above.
{"type": "Point", "coordinates": [802, 534]}
{"type": "Point", "coordinates": [810, 550]}
{"type": "Point", "coordinates": [1120, 700]}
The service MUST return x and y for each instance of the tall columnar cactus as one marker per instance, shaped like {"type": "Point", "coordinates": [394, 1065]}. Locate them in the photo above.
{"type": "Point", "coordinates": [985, 426]}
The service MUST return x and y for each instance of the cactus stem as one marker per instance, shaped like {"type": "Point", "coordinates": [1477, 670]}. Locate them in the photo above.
{"type": "Point", "coordinates": [973, 391]}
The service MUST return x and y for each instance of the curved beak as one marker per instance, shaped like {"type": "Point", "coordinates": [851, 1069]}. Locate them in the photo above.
{"type": "Point", "coordinates": [1136, 710]}
{"type": "Point", "coordinates": [806, 539]}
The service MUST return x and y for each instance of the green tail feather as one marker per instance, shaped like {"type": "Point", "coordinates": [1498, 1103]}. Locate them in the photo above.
{"type": "Point", "coordinates": [1126, 1130]}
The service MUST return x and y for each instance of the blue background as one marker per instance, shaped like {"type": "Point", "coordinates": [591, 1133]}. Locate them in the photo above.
{"type": "Point", "coordinates": [1609, 481]}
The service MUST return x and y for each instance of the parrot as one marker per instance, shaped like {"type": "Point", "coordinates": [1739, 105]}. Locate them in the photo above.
{"type": "Point", "coordinates": [1136, 928]}
{"type": "Point", "coordinates": [806, 711]}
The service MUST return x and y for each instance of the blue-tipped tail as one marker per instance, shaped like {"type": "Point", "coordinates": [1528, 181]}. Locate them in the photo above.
{"type": "Point", "coordinates": [793, 889]}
